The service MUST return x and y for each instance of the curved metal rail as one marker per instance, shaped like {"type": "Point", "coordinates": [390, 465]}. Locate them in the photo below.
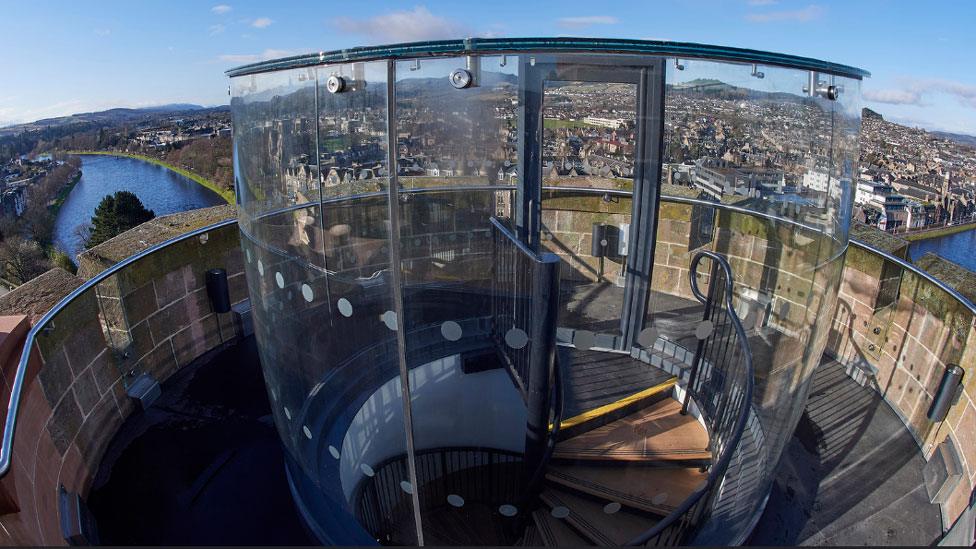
{"type": "Point", "coordinates": [13, 405]}
{"type": "Point", "coordinates": [727, 420]}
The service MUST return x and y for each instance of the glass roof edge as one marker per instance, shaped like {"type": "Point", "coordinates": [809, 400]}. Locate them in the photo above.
{"type": "Point", "coordinates": [683, 50]}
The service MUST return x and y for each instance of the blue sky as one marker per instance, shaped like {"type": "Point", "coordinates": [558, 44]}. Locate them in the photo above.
{"type": "Point", "coordinates": [63, 57]}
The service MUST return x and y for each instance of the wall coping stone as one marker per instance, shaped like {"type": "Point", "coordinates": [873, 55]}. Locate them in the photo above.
{"type": "Point", "coordinates": [954, 275]}
{"type": "Point", "coordinates": [37, 296]}
{"type": "Point", "coordinates": [152, 232]}
{"type": "Point", "coordinates": [878, 239]}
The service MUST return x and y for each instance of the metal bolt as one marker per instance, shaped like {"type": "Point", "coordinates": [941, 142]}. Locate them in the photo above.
{"type": "Point", "coordinates": [335, 84]}
{"type": "Point", "coordinates": [461, 78]}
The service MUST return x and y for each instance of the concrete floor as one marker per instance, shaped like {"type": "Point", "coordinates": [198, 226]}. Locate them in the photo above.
{"type": "Point", "coordinates": [204, 466]}
{"type": "Point", "coordinates": [851, 474]}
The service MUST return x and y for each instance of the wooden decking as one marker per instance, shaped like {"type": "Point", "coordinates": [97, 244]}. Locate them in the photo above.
{"type": "Point", "coordinates": [659, 433]}
{"type": "Point", "coordinates": [592, 379]}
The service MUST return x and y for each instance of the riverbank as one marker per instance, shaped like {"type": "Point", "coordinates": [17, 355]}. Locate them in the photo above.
{"type": "Point", "coordinates": [936, 233]}
{"type": "Point", "coordinates": [63, 194]}
{"type": "Point", "coordinates": [226, 194]}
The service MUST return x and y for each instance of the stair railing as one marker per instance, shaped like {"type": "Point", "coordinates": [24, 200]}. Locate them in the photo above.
{"type": "Point", "coordinates": [524, 307]}
{"type": "Point", "coordinates": [721, 385]}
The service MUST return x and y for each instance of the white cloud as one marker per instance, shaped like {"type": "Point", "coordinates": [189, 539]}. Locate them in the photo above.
{"type": "Point", "coordinates": [403, 26]}
{"type": "Point", "coordinates": [809, 13]}
{"type": "Point", "coordinates": [894, 97]}
{"type": "Point", "coordinates": [221, 9]}
{"type": "Point", "coordinates": [214, 30]}
{"type": "Point", "coordinates": [586, 21]}
{"type": "Point", "coordinates": [255, 57]}
{"type": "Point", "coordinates": [102, 32]}
{"type": "Point", "coordinates": [261, 22]}
{"type": "Point", "coordinates": [916, 91]}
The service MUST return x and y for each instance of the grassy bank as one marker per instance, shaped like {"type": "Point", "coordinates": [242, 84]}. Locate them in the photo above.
{"type": "Point", "coordinates": [935, 233]}
{"type": "Point", "coordinates": [63, 194]}
{"type": "Point", "coordinates": [227, 195]}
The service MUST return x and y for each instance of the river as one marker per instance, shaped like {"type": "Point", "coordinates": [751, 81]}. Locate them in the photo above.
{"type": "Point", "coordinates": [161, 190]}
{"type": "Point", "coordinates": [959, 248]}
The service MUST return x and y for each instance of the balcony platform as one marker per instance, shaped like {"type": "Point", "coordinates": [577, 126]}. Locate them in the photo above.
{"type": "Point", "coordinates": [851, 474]}
{"type": "Point", "coordinates": [202, 466]}
{"type": "Point", "coordinates": [218, 476]}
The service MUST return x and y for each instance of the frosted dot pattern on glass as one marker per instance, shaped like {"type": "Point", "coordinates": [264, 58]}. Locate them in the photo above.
{"type": "Point", "coordinates": [390, 319]}
{"type": "Point", "coordinates": [334, 451]}
{"type": "Point", "coordinates": [260, 268]}
{"type": "Point", "coordinates": [507, 510]}
{"type": "Point", "coordinates": [455, 500]}
{"type": "Point", "coordinates": [287, 412]}
{"type": "Point", "coordinates": [611, 508]}
{"type": "Point", "coordinates": [406, 486]}
{"type": "Point", "coordinates": [647, 337]}
{"type": "Point", "coordinates": [516, 338]}
{"type": "Point", "coordinates": [307, 431]}
{"type": "Point", "coordinates": [345, 308]}
{"type": "Point", "coordinates": [560, 512]}
{"type": "Point", "coordinates": [280, 280]}
{"type": "Point", "coordinates": [584, 339]}
{"type": "Point", "coordinates": [704, 329]}
{"type": "Point", "coordinates": [366, 469]}
{"type": "Point", "coordinates": [451, 330]}
{"type": "Point", "coordinates": [307, 293]}
{"type": "Point", "coordinates": [659, 499]}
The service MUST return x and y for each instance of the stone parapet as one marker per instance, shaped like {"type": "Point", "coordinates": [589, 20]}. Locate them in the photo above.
{"type": "Point", "coordinates": [153, 317]}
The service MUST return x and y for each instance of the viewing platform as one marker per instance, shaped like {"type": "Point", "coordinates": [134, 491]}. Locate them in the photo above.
{"type": "Point", "coordinates": [475, 293]}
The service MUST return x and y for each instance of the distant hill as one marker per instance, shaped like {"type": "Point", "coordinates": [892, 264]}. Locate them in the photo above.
{"type": "Point", "coordinates": [868, 113]}
{"type": "Point", "coordinates": [109, 117]}
{"type": "Point", "coordinates": [962, 138]}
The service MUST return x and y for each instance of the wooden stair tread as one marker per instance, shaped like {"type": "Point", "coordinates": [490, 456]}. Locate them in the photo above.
{"type": "Point", "coordinates": [594, 417]}
{"type": "Point", "coordinates": [556, 532]}
{"type": "Point", "coordinates": [653, 489]}
{"type": "Point", "coordinates": [658, 432]}
{"type": "Point", "coordinates": [588, 517]}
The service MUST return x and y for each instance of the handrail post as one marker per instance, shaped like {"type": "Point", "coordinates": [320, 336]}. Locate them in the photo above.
{"type": "Point", "coordinates": [700, 348]}
{"type": "Point", "coordinates": [542, 358]}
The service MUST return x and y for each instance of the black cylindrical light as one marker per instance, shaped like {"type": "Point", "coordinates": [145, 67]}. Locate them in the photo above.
{"type": "Point", "coordinates": [598, 248]}
{"type": "Point", "coordinates": [218, 291]}
{"type": "Point", "coordinates": [946, 393]}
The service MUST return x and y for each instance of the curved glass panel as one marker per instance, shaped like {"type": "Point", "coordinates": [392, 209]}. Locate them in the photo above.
{"type": "Point", "coordinates": [468, 417]}
{"type": "Point", "coordinates": [318, 269]}
{"type": "Point", "coordinates": [777, 158]}
{"type": "Point", "coordinates": [522, 275]}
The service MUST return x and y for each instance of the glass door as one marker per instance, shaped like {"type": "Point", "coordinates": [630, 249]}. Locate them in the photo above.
{"type": "Point", "coordinates": [596, 124]}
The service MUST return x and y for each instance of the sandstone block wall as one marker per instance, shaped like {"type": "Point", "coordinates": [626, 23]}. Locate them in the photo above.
{"type": "Point", "coordinates": [153, 317]}
{"type": "Point", "coordinates": [897, 333]}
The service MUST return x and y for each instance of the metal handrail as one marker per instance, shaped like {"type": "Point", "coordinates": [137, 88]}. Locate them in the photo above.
{"type": "Point", "coordinates": [914, 269]}
{"type": "Point", "coordinates": [13, 405]}
{"type": "Point", "coordinates": [718, 470]}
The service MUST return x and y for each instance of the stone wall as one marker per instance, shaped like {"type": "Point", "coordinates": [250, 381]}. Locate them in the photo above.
{"type": "Point", "coordinates": [897, 333]}
{"type": "Point", "coordinates": [152, 317]}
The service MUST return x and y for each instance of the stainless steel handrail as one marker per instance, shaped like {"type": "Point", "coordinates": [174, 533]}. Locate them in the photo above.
{"type": "Point", "coordinates": [13, 405]}
{"type": "Point", "coordinates": [719, 468]}
{"type": "Point", "coordinates": [6, 446]}
{"type": "Point", "coordinates": [918, 271]}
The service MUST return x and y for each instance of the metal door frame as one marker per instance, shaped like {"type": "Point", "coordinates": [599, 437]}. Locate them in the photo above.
{"type": "Point", "coordinates": [648, 73]}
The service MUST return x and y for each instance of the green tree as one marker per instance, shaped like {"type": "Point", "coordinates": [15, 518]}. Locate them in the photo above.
{"type": "Point", "coordinates": [116, 214]}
